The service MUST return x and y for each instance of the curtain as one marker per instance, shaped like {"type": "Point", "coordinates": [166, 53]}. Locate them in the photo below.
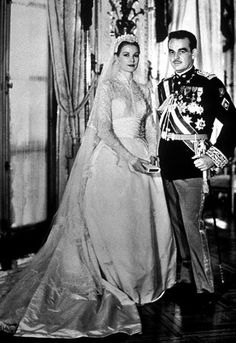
{"type": "Point", "coordinates": [202, 18]}
{"type": "Point", "coordinates": [67, 42]}
{"type": "Point", "coordinates": [228, 28]}
{"type": "Point", "coordinates": [163, 16]}
{"type": "Point", "coordinates": [227, 23]}
{"type": "Point", "coordinates": [233, 60]}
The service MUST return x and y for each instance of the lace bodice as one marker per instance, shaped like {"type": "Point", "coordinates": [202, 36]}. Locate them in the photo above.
{"type": "Point", "coordinates": [123, 102]}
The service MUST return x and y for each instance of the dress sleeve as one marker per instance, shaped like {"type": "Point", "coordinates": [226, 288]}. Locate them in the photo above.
{"type": "Point", "coordinates": [104, 124]}
{"type": "Point", "coordinates": [151, 128]}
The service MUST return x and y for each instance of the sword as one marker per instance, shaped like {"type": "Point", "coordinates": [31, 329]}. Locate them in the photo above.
{"type": "Point", "coordinates": [199, 148]}
{"type": "Point", "coordinates": [216, 234]}
{"type": "Point", "coordinates": [206, 188]}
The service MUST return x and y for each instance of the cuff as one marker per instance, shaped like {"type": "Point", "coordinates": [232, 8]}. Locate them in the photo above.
{"type": "Point", "coordinates": [217, 157]}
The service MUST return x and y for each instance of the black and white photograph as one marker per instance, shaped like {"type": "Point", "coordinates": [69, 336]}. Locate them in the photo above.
{"type": "Point", "coordinates": [118, 171]}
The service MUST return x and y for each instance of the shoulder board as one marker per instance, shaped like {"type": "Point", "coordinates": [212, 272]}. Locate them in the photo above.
{"type": "Point", "coordinates": [209, 76]}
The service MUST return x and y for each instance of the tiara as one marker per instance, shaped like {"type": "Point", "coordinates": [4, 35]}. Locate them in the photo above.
{"type": "Point", "coordinates": [125, 38]}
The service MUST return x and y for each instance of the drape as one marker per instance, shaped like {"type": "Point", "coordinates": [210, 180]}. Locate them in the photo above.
{"type": "Point", "coordinates": [163, 16]}
{"type": "Point", "coordinates": [233, 58]}
{"type": "Point", "coordinates": [202, 18]}
{"type": "Point", "coordinates": [228, 28]}
{"type": "Point", "coordinates": [66, 42]}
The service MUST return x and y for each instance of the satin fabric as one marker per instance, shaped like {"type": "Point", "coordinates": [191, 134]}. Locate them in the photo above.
{"type": "Point", "coordinates": [128, 220]}
{"type": "Point", "coordinates": [110, 247]}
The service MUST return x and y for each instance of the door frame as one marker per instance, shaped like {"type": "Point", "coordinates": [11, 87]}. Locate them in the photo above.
{"type": "Point", "coordinates": [5, 9]}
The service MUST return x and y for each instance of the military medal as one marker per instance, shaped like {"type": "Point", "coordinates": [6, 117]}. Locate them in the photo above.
{"type": "Point", "coordinates": [200, 124]}
{"type": "Point", "coordinates": [187, 90]}
{"type": "Point", "coordinates": [199, 93]}
{"type": "Point", "coordinates": [193, 107]}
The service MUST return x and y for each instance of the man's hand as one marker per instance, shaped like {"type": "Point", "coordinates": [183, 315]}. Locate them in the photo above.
{"type": "Point", "coordinates": [203, 162]}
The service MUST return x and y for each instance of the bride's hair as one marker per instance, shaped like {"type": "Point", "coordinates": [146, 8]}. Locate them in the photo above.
{"type": "Point", "coordinates": [124, 40]}
{"type": "Point", "coordinates": [122, 44]}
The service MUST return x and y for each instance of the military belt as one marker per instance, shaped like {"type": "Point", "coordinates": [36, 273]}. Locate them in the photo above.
{"type": "Point", "coordinates": [183, 137]}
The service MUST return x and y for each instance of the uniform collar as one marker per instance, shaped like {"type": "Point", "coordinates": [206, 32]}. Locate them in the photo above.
{"type": "Point", "coordinates": [186, 75]}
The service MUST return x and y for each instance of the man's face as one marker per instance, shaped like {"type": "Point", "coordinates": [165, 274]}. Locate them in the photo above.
{"type": "Point", "coordinates": [180, 55]}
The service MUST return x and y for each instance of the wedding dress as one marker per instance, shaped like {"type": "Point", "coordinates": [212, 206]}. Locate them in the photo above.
{"type": "Point", "coordinates": [110, 246]}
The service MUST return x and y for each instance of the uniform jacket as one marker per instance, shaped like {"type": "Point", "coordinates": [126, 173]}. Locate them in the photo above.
{"type": "Point", "coordinates": [201, 98]}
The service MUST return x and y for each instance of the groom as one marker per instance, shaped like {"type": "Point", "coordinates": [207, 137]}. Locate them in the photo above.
{"type": "Point", "coordinates": [189, 102]}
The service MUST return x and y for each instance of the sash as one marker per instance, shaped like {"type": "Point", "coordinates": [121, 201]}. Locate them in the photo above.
{"type": "Point", "coordinates": [171, 115]}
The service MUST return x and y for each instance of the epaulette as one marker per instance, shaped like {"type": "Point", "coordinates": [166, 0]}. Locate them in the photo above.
{"type": "Point", "coordinates": [209, 76]}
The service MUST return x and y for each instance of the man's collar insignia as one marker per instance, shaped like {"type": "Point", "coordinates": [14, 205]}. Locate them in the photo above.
{"type": "Point", "coordinates": [225, 104]}
{"type": "Point", "coordinates": [222, 91]}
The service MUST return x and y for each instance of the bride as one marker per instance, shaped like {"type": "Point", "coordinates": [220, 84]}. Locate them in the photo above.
{"type": "Point", "coordinates": [110, 247]}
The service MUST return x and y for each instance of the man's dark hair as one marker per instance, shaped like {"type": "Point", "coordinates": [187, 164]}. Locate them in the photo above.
{"type": "Point", "coordinates": [181, 34]}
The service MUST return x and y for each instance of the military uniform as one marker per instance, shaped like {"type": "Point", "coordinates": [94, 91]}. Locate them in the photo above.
{"type": "Point", "coordinates": [188, 105]}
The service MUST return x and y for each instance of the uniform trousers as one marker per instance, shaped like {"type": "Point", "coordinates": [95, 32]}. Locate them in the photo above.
{"type": "Point", "coordinates": [185, 201]}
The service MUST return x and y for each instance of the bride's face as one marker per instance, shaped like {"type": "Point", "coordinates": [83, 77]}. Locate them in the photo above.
{"type": "Point", "coordinates": [128, 58]}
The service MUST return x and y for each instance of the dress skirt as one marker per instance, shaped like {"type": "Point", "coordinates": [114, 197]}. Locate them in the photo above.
{"type": "Point", "coordinates": [128, 221]}
{"type": "Point", "coordinates": [100, 260]}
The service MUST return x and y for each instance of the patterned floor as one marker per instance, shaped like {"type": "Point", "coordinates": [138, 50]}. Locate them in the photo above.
{"type": "Point", "coordinates": [184, 319]}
